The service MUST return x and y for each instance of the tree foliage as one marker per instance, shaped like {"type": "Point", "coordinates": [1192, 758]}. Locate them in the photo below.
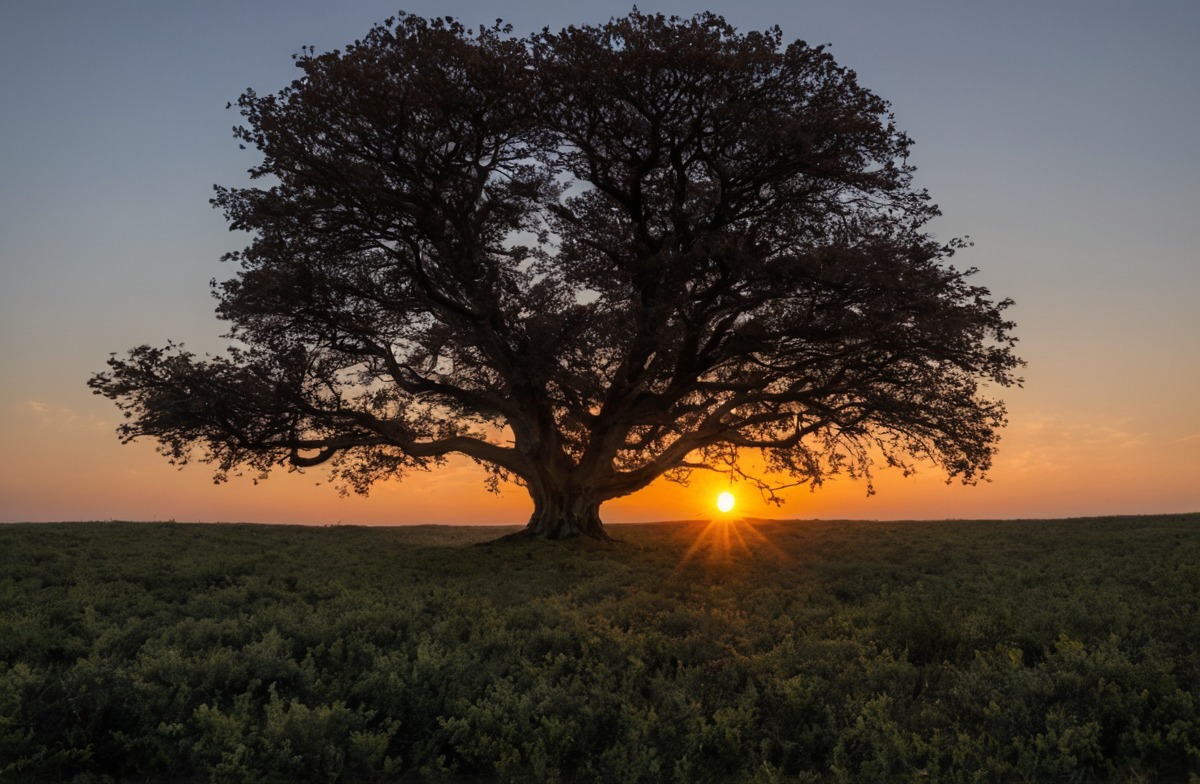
{"type": "Point", "coordinates": [584, 259]}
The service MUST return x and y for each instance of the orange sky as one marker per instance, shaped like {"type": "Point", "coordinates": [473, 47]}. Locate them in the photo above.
{"type": "Point", "coordinates": [71, 467]}
{"type": "Point", "coordinates": [1070, 161]}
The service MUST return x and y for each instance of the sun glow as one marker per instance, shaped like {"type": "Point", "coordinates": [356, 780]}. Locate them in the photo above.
{"type": "Point", "coordinates": [722, 541]}
{"type": "Point", "coordinates": [725, 502]}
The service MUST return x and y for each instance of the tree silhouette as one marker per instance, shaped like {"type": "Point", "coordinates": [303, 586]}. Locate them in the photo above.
{"type": "Point", "coordinates": [585, 260]}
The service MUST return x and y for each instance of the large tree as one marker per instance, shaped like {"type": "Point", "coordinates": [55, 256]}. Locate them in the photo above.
{"type": "Point", "coordinates": [585, 260]}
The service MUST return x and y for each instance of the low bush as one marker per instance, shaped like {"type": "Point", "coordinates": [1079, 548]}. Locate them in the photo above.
{"type": "Point", "coordinates": [795, 652]}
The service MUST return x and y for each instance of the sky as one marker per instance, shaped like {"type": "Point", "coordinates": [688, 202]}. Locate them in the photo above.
{"type": "Point", "coordinates": [1061, 137]}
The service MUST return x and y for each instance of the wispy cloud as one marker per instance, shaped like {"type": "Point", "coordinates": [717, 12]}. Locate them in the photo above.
{"type": "Point", "coordinates": [61, 418]}
{"type": "Point", "coordinates": [1046, 443]}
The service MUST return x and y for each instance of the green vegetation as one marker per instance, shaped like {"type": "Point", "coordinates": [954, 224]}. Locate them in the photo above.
{"type": "Point", "coordinates": [791, 652]}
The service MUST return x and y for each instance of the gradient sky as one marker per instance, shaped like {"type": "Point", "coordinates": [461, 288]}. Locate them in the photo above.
{"type": "Point", "coordinates": [1060, 136]}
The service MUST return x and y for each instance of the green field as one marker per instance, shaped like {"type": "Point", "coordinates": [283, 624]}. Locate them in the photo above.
{"type": "Point", "coordinates": [803, 651]}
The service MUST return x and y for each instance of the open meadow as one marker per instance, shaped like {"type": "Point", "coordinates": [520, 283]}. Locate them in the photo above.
{"type": "Point", "coordinates": [807, 651]}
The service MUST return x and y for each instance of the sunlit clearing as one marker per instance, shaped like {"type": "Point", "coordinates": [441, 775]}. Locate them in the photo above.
{"type": "Point", "coordinates": [725, 502]}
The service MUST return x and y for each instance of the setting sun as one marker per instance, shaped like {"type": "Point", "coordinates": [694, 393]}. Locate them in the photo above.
{"type": "Point", "coordinates": [725, 502]}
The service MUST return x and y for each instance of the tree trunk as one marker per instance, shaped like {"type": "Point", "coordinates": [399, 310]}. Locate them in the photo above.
{"type": "Point", "coordinates": [562, 513]}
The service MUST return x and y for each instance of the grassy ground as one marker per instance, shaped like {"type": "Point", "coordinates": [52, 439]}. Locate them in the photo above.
{"type": "Point", "coordinates": [738, 651]}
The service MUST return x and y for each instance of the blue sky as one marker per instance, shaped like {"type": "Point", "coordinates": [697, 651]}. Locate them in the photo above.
{"type": "Point", "coordinates": [1060, 136]}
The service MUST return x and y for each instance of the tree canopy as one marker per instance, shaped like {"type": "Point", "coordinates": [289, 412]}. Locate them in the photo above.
{"type": "Point", "coordinates": [585, 259]}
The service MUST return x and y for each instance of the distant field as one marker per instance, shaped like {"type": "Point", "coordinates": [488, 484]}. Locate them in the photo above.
{"type": "Point", "coordinates": [808, 651]}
